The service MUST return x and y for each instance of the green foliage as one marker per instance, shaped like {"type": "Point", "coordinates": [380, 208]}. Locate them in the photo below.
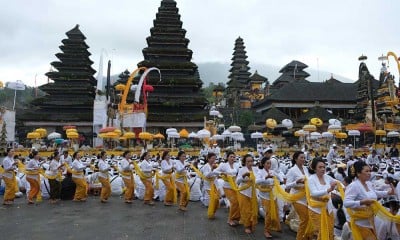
{"type": "Point", "coordinates": [23, 97]}
{"type": "Point", "coordinates": [246, 118]}
{"type": "Point", "coordinates": [3, 139]}
{"type": "Point", "coordinates": [208, 91]}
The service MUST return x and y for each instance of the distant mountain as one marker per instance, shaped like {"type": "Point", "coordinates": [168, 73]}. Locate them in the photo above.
{"type": "Point", "coordinates": [216, 72]}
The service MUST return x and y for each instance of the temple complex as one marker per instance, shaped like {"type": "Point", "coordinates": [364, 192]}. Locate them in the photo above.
{"type": "Point", "coordinates": [177, 100]}
{"type": "Point", "coordinates": [242, 89]}
{"type": "Point", "coordinates": [69, 98]}
{"type": "Point", "coordinates": [297, 98]}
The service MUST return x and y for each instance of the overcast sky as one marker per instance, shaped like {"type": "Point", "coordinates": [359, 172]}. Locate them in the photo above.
{"type": "Point", "coordinates": [326, 35]}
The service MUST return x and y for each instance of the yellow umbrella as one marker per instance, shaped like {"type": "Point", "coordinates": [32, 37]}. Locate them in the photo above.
{"type": "Point", "coordinates": [70, 130]}
{"type": "Point", "coordinates": [271, 123]}
{"type": "Point", "coordinates": [309, 128]}
{"type": "Point", "coordinates": [111, 135]}
{"type": "Point", "coordinates": [145, 136]}
{"type": "Point", "coordinates": [316, 121]}
{"type": "Point", "coordinates": [117, 131]}
{"type": "Point", "coordinates": [120, 87]}
{"type": "Point", "coordinates": [42, 132]}
{"type": "Point", "coordinates": [122, 138]}
{"type": "Point", "coordinates": [158, 136]}
{"type": "Point", "coordinates": [184, 133]}
{"type": "Point", "coordinates": [129, 135]}
{"type": "Point", "coordinates": [380, 133]}
{"type": "Point", "coordinates": [265, 135]}
{"type": "Point", "coordinates": [33, 135]}
{"type": "Point", "coordinates": [341, 135]}
{"type": "Point", "coordinates": [73, 135]}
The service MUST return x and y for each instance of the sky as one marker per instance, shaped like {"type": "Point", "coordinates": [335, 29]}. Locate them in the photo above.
{"type": "Point", "coordinates": [326, 35]}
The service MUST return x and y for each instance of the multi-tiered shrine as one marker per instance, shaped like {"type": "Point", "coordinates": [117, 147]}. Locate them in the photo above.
{"type": "Point", "coordinates": [69, 98]}
{"type": "Point", "coordinates": [177, 100]}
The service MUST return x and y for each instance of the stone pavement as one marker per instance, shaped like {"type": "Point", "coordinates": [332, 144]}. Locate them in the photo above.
{"type": "Point", "coordinates": [117, 221]}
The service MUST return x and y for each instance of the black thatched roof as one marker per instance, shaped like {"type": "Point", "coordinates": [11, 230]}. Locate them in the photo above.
{"type": "Point", "coordinates": [258, 78]}
{"type": "Point", "coordinates": [293, 64]}
{"type": "Point", "coordinates": [273, 113]}
{"type": "Point", "coordinates": [312, 91]}
{"type": "Point", "coordinates": [316, 112]}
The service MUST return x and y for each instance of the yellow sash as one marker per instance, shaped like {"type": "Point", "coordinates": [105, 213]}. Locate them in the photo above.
{"type": "Point", "coordinates": [22, 168]}
{"type": "Point", "coordinates": [273, 208]}
{"type": "Point", "coordinates": [288, 197]}
{"type": "Point", "coordinates": [185, 183]}
{"type": "Point", "coordinates": [140, 173]}
{"type": "Point", "coordinates": [167, 177]}
{"type": "Point", "coordinates": [318, 203]}
{"type": "Point", "coordinates": [214, 196]}
{"type": "Point", "coordinates": [368, 213]}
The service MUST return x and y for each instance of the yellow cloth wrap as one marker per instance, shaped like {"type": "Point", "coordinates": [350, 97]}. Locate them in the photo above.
{"type": "Point", "coordinates": [322, 203]}
{"type": "Point", "coordinates": [214, 200]}
{"type": "Point", "coordinates": [254, 203]}
{"type": "Point", "coordinates": [1, 170]}
{"type": "Point", "coordinates": [252, 219]}
{"type": "Point", "coordinates": [273, 213]}
{"type": "Point", "coordinates": [170, 179]}
{"type": "Point", "coordinates": [185, 182]}
{"type": "Point", "coordinates": [141, 174]}
{"type": "Point", "coordinates": [287, 197]}
{"type": "Point", "coordinates": [11, 186]}
{"type": "Point", "coordinates": [70, 170]}
{"type": "Point", "coordinates": [22, 168]}
{"type": "Point", "coordinates": [214, 196]}
{"type": "Point", "coordinates": [369, 213]}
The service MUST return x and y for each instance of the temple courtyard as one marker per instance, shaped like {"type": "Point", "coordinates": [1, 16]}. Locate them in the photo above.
{"type": "Point", "coordinates": [117, 220]}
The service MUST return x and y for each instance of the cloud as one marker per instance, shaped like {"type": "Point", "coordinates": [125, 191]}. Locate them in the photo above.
{"type": "Point", "coordinates": [334, 32]}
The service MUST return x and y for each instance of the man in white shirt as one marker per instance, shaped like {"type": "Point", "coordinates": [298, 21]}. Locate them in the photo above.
{"type": "Point", "coordinates": [373, 158]}
{"type": "Point", "coordinates": [348, 151]}
{"type": "Point", "coordinates": [332, 154]}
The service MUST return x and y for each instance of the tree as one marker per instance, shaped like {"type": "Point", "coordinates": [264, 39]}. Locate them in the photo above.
{"type": "Point", "coordinates": [246, 118]}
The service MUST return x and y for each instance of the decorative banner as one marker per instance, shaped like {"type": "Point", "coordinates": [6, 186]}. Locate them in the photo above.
{"type": "Point", "coordinates": [136, 119]}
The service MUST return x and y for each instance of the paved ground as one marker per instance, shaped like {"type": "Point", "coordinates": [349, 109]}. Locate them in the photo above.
{"type": "Point", "coordinates": [117, 220]}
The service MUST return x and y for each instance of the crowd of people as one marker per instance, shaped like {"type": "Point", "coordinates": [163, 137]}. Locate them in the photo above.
{"type": "Point", "coordinates": [342, 197]}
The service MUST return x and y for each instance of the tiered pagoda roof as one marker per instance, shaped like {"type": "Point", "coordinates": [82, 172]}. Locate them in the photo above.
{"type": "Point", "coordinates": [239, 73]}
{"type": "Point", "coordinates": [362, 98]}
{"type": "Point", "coordinates": [70, 97]}
{"type": "Point", "coordinates": [291, 72]}
{"type": "Point", "coordinates": [257, 78]}
{"type": "Point", "coordinates": [177, 97]}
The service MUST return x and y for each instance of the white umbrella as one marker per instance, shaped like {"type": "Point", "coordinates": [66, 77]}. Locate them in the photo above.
{"type": "Point", "coordinates": [171, 130]}
{"type": "Point", "coordinates": [218, 137]}
{"type": "Point", "coordinates": [53, 135]}
{"type": "Point", "coordinates": [173, 135]}
{"type": "Point", "coordinates": [193, 135]}
{"type": "Point", "coordinates": [204, 133]}
{"type": "Point", "coordinates": [334, 128]}
{"type": "Point", "coordinates": [237, 135]}
{"type": "Point", "coordinates": [393, 134]}
{"type": "Point", "coordinates": [301, 133]}
{"type": "Point", "coordinates": [235, 128]}
{"type": "Point", "coordinates": [256, 135]}
{"type": "Point", "coordinates": [327, 135]}
{"type": "Point", "coordinates": [241, 139]}
{"type": "Point", "coordinates": [227, 133]}
{"type": "Point", "coordinates": [354, 133]}
{"type": "Point", "coordinates": [334, 122]}
{"type": "Point", "coordinates": [214, 113]}
{"type": "Point", "coordinates": [315, 135]}
{"type": "Point", "coordinates": [287, 123]}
